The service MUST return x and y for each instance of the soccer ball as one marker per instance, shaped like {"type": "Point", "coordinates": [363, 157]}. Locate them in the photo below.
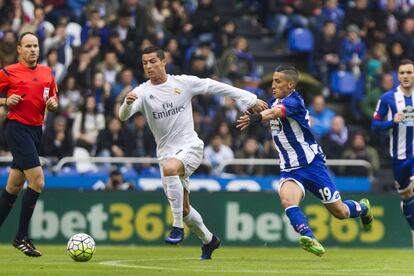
{"type": "Point", "coordinates": [81, 247]}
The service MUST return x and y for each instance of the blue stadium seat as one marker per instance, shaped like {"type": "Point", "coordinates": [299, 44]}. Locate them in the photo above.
{"type": "Point", "coordinates": [343, 82]}
{"type": "Point", "coordinates": [300, 40]}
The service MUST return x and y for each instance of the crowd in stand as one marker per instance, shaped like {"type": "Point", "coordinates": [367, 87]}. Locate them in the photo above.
{"type": "Point", "coordinates": [93, 48]}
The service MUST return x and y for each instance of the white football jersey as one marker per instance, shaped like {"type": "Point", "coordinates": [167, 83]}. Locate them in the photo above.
{"type": "Point", "coordinates": [168, 110]}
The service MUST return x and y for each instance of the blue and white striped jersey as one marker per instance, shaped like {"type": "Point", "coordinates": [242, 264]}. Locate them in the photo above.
{"type": "Point", "coordinates": [292, 136]}
{"type": "Point", "coordinates": [401, 134]}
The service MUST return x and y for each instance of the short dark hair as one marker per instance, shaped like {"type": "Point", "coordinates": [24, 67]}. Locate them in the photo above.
{"type": "Point", "coordinates": [19, 42]}
{"type": "Point", "coordinates": [405, 62]}
{"type": "Point", "coordinates": [290, 71]}
{"type": "Point", "coordinates": [154, 49]}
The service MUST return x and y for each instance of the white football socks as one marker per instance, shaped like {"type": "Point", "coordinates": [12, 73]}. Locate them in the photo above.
{"type": "Point", "coordinates": [175, 193]}
{"type": "Point", "coordinates": [195, 222]}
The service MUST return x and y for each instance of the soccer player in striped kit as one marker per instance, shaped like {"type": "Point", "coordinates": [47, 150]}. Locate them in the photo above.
{"type": "Point", "coordinates": [30, 91]}
{"type": "Point", "coordinates": [165, 100]}
{"type": "Point", "coordinates": [302, 161]}
{"type": "Point", "coordinates": [395, 113]}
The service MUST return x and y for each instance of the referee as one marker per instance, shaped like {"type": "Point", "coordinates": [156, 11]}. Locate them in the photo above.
{"type": "Point", "coordinates": [30, 90]}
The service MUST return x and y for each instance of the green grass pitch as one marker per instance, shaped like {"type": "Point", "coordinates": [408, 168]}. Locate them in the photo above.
{"type": "Point", "coordinates": [184, 260]}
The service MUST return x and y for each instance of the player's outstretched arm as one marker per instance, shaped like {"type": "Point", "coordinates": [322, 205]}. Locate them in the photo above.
{"type": "Point", "coordinates": [378, 124]}
{"type": "Point", "coordinates": [125, 111]}
{"type": "Point", "coordinates": [266, 115]}
{"type": "Point", "coordinates": [259, 106]}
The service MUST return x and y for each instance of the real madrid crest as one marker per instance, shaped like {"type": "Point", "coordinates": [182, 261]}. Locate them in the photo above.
{"type": "Point", "coordinates": [177, 91]}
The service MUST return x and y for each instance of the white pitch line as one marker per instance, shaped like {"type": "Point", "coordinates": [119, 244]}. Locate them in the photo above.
{"type": "Point", "coordinates": [121, 263]}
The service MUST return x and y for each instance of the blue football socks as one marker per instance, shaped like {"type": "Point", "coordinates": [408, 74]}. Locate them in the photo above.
{"type": "Point", "coordinates": [408, 210]}
{"type": "Point", "coordinates": [355, 209]}
{"type": "Point", "coordinates": [299, 221]}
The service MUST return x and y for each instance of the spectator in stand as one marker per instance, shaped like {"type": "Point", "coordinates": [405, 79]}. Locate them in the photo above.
{"type": "Point", "coordinates": [326, 53]}
{"type": "Point", "coordinates": [200, 126]}
{"type": "Point", "coordinates": [360, 150]}
{"type": "Point", "coordinates": [116, 182]}
{"type": "Point", "coordinates": [57, 142]}
{"type": "Point", "coordinates": [174, 49]}
{"type": "Point", "coordinates": [126, 82]}
{"type": "Point", "coordinates": [228, 112]}
{"type": "Point", "coordinates": [142, 144]}
{"type": "Point", "coordinates": [198, 67]}
{"type": "Point", "coordinates": [386, 19]}
{"type": "Point", "coordinates": [397, 52]}
{"type": "Point", "coordinates": [70, 98]}
{"type": "Point", "coordinates": [205, 20]}
{"type": "Point", "coordinates": [378, 60]}
{"type": "Point", "coordinates": [58, 69]}
{"type": "Point", "coordinates": [238, 59]}
{"type": "Point", "coordinates": [216, 153]}
{"type": "Point", "coordinates": [251, 150]}
{"type": "Point", "coordinates": [406, 36]}
{"type": "Point", "coordinates": [8, 49]}
{"type": "Point", "coordinates": [286, 14]}
{"type": "Point", "coordinates": [353, 51]}
{"type": "Point", "coordinates": [224, 130]}
{"type": "Point", "coordinates": [88, 122]}
{"type": "Point", "coordinates": [373, 91]}
{"type": "Point", "coordinates": [102, 90]}
{"type": "Point", "coordinates": [226, 35]}
{"type": "Point", "coordinates": [106, 8]}
{"type": "Point", "coordinates": [359, 15]}
{"type": "Point", "coordinates": [54, 9]}
{"type": "Point", "coordinates": [109, 67]}
{"type": "Point", "coordinates": [320, 117]}
{"type": "Point", "coordinates": [125, 50]}
{"type": "Point", "coordinates": [81, 69]}
{"type": "Point", "coordinates": [96, 26]}
{"type": "Point", "coordinates": [142, 140]}
{"type": "Point", "coordinates": [62, 42]}
{"type": "Point", "coordinates": [113, 141]}
{"type": "Point", "coordinates": [336, 140]}
{"type": "Point", "coordinates": [123, 27]}
{"type": "Point", "coordinates": [330, 13]}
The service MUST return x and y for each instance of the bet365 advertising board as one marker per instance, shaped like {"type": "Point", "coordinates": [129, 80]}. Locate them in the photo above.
{"type": "Point", "coordinates": [238, 218]}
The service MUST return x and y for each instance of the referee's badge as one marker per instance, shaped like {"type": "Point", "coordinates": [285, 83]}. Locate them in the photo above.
{"type": "Point", "coordinates": [177, 91]}
{"type": "Point", "coordinates": [46, 93]}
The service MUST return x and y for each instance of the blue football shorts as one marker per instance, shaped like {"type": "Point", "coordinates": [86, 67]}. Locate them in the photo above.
{"type": "Point", "coordinates": [403, 173]}
{"type": "Point", "coordinates": [24, 143]}
{"type": "Point", "coordinates": [314, 178]}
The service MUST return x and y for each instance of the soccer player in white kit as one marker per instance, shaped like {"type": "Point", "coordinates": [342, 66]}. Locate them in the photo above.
{"type": "Point", "coordinates": [165, 100]}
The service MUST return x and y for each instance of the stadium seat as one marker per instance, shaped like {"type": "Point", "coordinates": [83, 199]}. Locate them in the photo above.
{"type": "Point", "coordinates": [343, 82]}
{"type": "Point", "coordinates": [300, 40]}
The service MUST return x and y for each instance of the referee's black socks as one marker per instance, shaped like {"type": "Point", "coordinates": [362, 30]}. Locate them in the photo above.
{"type": "Point", "coordinates": [6, 204]}
{"type": "Point", "coordinates": [28, 204]}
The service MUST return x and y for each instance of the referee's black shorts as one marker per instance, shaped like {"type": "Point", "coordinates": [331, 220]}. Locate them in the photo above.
{"type": "Point", "coordinates": [24, 143]}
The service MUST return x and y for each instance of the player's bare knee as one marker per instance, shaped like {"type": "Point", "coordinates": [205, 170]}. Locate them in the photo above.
{"type": "Point", "coordinates": [186, 210]}
{"type": "Point", "coordinates": [287, 202]}
{"type": "Point", "coordinates": [37, 185]}
{"type": "Point", "coordinates": [14, 188]}
{"type": "Point", "coordinates": [170, 170]}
